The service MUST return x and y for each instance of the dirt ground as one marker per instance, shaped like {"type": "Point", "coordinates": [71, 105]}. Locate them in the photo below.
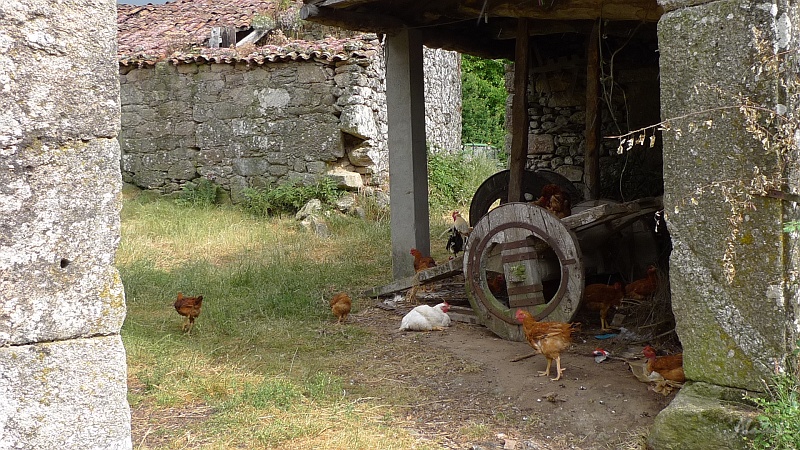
{"type": "Point", "coordinates": [593, 406]}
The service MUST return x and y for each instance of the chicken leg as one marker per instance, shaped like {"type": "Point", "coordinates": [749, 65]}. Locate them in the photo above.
{"type": "Point", "coordinates": [559, 370]}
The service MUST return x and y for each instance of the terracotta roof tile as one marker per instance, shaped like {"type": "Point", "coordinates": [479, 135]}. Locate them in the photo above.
{"type": "Point", "coordinates": [178, 31]}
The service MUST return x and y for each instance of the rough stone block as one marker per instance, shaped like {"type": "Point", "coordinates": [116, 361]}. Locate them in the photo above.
{"type": "Point", "coordinates": [66, 394]}
{"type": "Point", "coordinates": [359, 121]}
{"type": "Point", "coordinates": [540, 144]}
{"type": "Point", "coordinates": [346, 179]}
{"type": "Point", "coordinates": [703, 417]}
{"type": "Point", "coordinates": [55, 61]}
{"type": "Point", "coordinates": [58, 241]}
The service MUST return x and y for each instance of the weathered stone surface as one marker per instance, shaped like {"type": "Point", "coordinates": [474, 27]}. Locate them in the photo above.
{"type": "Point", "coordinates": [345, 179]}
{"type": "Point", "coordinates": [733, 325]}
{"type": "Point", "coordinates": [704, 417]}
{"type": "Point", "coordinates": [57, 72]}
{"type": "Point", "coordinates": [359, 121]}
{"type": "Point", "coordinates": [540, 144]}
{"type": "Point", "coordinates": [67, 394]}
{"type": "Point", "coordinates": [314, 206]}
{"type": "Point", "coordinates": [57, 241]}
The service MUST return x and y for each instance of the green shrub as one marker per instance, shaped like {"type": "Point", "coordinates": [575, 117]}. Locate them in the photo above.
{"type": "Point", "coordinates": [288, 198]}
{"type": "Point", "coordinates": [484, 101]}
{"type": "Point", "coordinates": [454, 178]}
{"type": "Point", "coordinates": [203, 193]}
{"type": "Point", "coordinates": [779, 421]}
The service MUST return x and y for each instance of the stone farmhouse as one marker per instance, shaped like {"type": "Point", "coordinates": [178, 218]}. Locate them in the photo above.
{"type": "Point", "coordinates": [245, 94]}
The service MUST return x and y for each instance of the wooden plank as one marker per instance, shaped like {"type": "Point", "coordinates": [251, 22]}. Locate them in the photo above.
{"type": "Point", "coordinates": [591, 167]}
{"type": "Point", "coordinates": [453, 267]}
{"type": "Point", "coordinates": [520, 122]}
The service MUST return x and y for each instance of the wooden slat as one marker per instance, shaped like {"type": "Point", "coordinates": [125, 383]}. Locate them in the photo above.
{"type": "Point", "coordinates": [453, 267]}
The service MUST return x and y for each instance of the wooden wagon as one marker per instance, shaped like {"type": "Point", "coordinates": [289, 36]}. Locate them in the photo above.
{"type": "Point", "coordinates": [544, 259]}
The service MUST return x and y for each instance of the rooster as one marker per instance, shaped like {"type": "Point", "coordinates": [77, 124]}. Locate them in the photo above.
{"type": "Point", "coordinates": [554, 200]}
{"type": "Point", "coordinates": [340, 306]}
{"type": "Point", "coordinates": [643, 288]}
{"type": "Point", "coordinates": [426, 318]}
{"type": "Point", "coordinates": [547, 338]}
{"type": "Point", "coordinates": [602, 297]}
{"type": "Point", "coordinates": [422, 262]}
{"type": "Point", "coordinates": [190, 308]}
{"type": "Point", "coordinates": [459, 233]}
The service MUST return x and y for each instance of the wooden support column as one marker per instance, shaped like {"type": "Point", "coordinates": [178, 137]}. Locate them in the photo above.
{"type": "Point", "coordinates": [520, 121]}
{"type": "Point", "coordinates": [591, 165]}
{"type": "Point", "coordinates": [408, 159]}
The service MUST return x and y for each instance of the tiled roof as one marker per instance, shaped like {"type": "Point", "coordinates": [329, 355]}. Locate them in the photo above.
{"type": "Point", "coordinates": [178, 31]}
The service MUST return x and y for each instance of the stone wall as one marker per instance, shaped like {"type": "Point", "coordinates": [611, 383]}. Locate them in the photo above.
{"type": "Point", "coordinates": [252, 125]}
{"type": "Point", "coordinates": [62, 304]}
{"type": "Point", "coordinates": [443, 99]}
{"type": "Point", "coordinates": [556, 139]}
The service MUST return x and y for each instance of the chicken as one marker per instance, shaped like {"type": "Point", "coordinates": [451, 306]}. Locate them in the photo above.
{"type": "Point", "coordinates": [461, 225]}
{"type": "Point", "coordinates": [422, 262]}
{"type": "Point", "coordinates": [670, 367]}
{"type": "Point", "coordinates": [601, 297]}
{"type": "Point", "coordinates": [190, 308]}
{"type": "Point", "coordinates": [554, 200]}
{"type": "Point", "coordinates": [455, 243]}
{"type": "Point", "coordinates": [426, 318]}
{"type": "Point", "coordinates": [496, 281]}
{"type": "Point", "coordinates": [547, 338]}
{"type": "Point", "coordinates": [340, 306]}
{"type": "Point", "coordinates": [643, 288]}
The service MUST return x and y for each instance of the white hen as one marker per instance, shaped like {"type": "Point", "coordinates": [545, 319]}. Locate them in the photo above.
{"type": "Point", "coordinates": [426, 318]}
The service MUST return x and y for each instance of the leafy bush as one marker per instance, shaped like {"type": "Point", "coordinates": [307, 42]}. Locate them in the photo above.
{"type": "Point", "coordinates": [779, 421]}
{"type": "Point", "coordinates": [483, 100]}
{"type": "Point", "coordinates": [454, 178]}
{"type": "Point", "coordinates": [203, 193]}
{"type": "Point", "coordinates": [289, 197]}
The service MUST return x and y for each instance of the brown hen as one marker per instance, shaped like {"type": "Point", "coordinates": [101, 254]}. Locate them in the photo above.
{"type": "Point", "coordinates": [422, 262]}
{"type": "Point", "coordinates": [643, 288]}
{"type": "Point", "coordinates": [340, 306]}
{"type": "Point", "coordinates": [602, 297]}
{"type": "Point", "coordinates": [670, 367]}
{"type": "Point", "coordinates": [190, 308]}
{"type": "Point", "coordinates": [547, 338]}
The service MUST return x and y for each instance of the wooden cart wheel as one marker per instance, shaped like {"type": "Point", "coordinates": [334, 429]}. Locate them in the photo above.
{"type": "Point", "coordinates": [495, 189]}
{"type": "Point", "coordinates": [531, 247]}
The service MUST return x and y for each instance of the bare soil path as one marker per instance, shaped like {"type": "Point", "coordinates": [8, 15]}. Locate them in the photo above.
{"type": "Point", "coordinates": [593, 406]}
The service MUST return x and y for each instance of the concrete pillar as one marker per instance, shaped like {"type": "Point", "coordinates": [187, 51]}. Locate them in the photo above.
{"type": "Point", "coordinates": [62, 363]}
{"type": "Point", "coordinates": [729, 271]}
{"type": "Point", "coordinates": [408, 159]}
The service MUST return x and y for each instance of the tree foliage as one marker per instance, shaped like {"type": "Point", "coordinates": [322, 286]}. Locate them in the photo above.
{"type": "Point", "coordinates": [483, 100]}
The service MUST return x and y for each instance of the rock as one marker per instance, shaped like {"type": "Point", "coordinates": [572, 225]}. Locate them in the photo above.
{"type": "Point", "coordinates": [359, 121]}
{"type": "Point", "coordinates": [314, 206]}
{"type": "Point", "coordinates": [317, 225]}
{"type": "Point", "coordinates": [701, 417]}
{"type": "Point", "coordinates": [346, 203]}
{"type": "Point", "coordinates": [346, 179]}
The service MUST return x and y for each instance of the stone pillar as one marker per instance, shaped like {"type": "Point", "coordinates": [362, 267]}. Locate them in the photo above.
{"type": "Point", "coordinates": [730, 263]}
{"type": "Point", "coordinates": [408, 158]}
{"type": "Point", "coordinates": [62, 363]}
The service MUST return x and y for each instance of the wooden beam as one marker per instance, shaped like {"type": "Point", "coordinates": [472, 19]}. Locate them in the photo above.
{"type": "Point", "coordinates": [591, 164]}
{"type": "Point", "coordinates": [519, 115]}
{"type": "Point", "coordinates": [373, 23]}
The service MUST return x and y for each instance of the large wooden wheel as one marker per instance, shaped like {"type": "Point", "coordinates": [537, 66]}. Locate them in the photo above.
{"type": "Point", "coordinates": [541, 261]}
{"type": "Point", "coordinates": [495, 190]}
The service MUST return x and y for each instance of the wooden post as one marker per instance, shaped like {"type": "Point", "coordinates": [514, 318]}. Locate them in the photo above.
{"type": "Point", "coordinates": [591, 165]}
{"type": "Point", "coordinates": [519, 115]}
{"type": "Point", "coordinates": [408, 158]}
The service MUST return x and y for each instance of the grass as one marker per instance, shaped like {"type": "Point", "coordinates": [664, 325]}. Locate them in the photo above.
{"type": "Point", "coordinates": [264, 366]}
